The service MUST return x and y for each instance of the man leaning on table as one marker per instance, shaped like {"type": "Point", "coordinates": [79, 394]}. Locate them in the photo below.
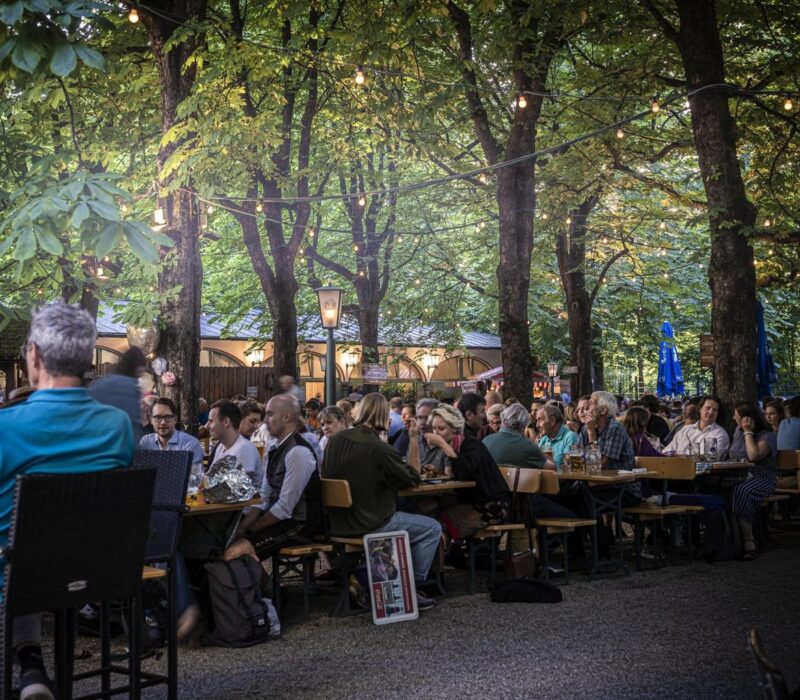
{"type": "Point", "coordinates": [81, 435]}
{"type": "Point", "coordinates": [602, 429]}
{"type": "Point", "coordinates": [554, 436]}
{"type": "Point", "coordinates": [166, 437]}
{"type": "Point", "coordinates": [291, 512]}
{"type": "Point", "coordinates": [693, 437]}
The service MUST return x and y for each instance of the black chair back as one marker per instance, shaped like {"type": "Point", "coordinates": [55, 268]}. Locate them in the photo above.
{"type": "Point", "coordinates": [169, 500]}
{"type": "Point", "coordinates": [76, 539]}
{"type": "Point", "coordinates": [773, 686]}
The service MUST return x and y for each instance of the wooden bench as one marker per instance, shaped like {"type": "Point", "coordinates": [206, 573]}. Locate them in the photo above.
{"type": "Point", "coordinates": [289, 558]}
{"type": "Point", "coordinates": [526, 481]}
{"type": "Point", "coordinates": [666, 468]}
{"type": "Point", "coordinates": [150, 573]}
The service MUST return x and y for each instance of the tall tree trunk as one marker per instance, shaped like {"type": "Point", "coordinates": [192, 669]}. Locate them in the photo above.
{"type": "Point", "coordinates": [180, 339]}
{"type": "Point", "coordinates": [532, 48]}
{"type": "Point", "coordinates": [598, 364]}
{"type": "Point", "coordinates": [731, 273]}
{"type": "Point", "coordinates": [571, 256]}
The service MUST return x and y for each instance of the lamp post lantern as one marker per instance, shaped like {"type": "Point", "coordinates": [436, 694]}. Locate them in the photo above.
{"type": "Point", "coordinates": [552, 372]}
{"type": "Point", "coordinates": [330, 312]}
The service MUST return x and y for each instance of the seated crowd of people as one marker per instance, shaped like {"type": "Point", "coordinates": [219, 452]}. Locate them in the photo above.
{"type": "Point", "coordinates": [379, 446]}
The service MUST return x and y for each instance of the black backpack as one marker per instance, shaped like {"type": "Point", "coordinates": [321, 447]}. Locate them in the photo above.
{"type": "Point", "coordinates": [241, 615]}
{"type": "Point", "coordinates": [524, 590]}
{"type": "Point", "coordinates": [723, 540]}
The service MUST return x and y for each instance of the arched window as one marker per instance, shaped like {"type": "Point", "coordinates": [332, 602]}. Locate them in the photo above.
{"type": "Point", "coordinates": [458, 368]}
{"type": "Point", "coordinates": [104, 359]}
{"type": "Point", "coordinates": [211, 357]}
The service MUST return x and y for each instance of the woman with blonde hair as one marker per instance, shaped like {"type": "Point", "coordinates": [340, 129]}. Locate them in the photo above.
{"type": "Point", "coordinates": [346, 408]}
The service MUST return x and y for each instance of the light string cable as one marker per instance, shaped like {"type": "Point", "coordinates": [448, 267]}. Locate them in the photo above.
{"type": "Point", "coordinates": [475, 172]}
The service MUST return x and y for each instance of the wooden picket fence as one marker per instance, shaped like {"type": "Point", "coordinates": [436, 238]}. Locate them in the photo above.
{"type": "Point", "coordinates": [223, 382]}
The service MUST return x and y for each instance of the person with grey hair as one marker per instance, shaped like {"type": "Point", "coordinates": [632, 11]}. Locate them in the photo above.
{"type": "Point", "coordinates": [493, 420]}
{"type": "Point", "coordinates": [601, 428]}
{"type": "Point", "coordinates": [509, 444]}
{"type": "Point", "coordinates": [81, 435]}
{"type": "Point", "coordinates": [554, 436]}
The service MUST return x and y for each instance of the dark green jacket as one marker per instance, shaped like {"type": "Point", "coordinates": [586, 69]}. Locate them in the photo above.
{"type": "Point", "coordinates": [375, 472]}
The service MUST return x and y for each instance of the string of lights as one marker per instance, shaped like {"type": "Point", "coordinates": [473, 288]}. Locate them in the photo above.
{"type": "Point", "coordinates": [359, 73]}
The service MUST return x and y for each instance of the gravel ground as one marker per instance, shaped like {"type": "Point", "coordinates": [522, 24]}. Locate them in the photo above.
{"type": "Point", "coordinates": [676, 632]}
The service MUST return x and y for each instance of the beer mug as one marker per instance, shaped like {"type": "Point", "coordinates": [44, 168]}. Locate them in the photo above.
{"type": "Point", "coordinates": [710, 449]}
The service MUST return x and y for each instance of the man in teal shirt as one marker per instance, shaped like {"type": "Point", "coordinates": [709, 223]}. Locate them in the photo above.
{"type": "Point", "coordinates": [555, 436]}
{"type": "Point", "coordinates": [59, 429]}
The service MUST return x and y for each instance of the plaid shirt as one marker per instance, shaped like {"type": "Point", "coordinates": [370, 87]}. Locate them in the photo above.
{"type": "Point", "coordinates": [615, 445]}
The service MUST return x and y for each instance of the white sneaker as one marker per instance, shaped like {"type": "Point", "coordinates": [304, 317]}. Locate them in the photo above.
{"type": "Point", "coordinates": [34, 685]}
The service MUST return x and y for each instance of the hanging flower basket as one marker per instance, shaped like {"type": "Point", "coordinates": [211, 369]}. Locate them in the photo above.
{"type": "Point", "coordinates": [169, 379]}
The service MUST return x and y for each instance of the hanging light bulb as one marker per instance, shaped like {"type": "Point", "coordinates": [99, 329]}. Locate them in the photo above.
{"type": "Point", "coordinates": [416, 239]}
{"type": "Point", "coordinates": [569, 220]}
{"type": "Point", "coordinates": [259, 207]}
{"type": "Point", "coordinates": [544, 215]}
{"type": "Point", "coordinates": [361, 273]}
{"type": "Point", "coordinates": [662, 226]}
{"type": "Point", "coordinates": [123, 208]}
{"type": "Point", "coordinates": [362, 200]}
{"type": "Point", "coordinates": [482, 178]}
{"type": "Point", "coordinates": [359, 77]}
{"type": "Point", "coordinates": [210, 209]}
{"type": "Point", "coordinates": [787, 104]}
{"type": "Point", "coordinates": [133, 15]}
{"type": "Point", "coordinates": [655, 108]}
{"type": "Point", "coordinates": [355, 247]}
{"type": "Point", "coordinates": [522, 102]}
{"type": "Point", "coordinates": [620, 133]}
{"type": "Point", "coordinates": [311, 233]}
{"type": "Point", "coordinates": [482, 225]}
{"type": "Point", "coordinates": [416, 281]}
{"type": "Point", "coordinates": [399, 239]}
{"type": "Point", "coordinates": [767, 223]}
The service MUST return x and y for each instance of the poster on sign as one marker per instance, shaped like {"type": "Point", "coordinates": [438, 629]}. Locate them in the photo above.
{"type": "Point", "coordinates": [391, 577]}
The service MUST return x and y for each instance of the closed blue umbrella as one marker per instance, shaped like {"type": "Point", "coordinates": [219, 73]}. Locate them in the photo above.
{"type": "Point", "coordinates": [670, 376]}
{"type": "Point", "coordinates": [765, 365]}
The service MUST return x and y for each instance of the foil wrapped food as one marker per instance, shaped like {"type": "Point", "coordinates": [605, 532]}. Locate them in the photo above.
{"type": "Point", "coordinates": [226, 483]}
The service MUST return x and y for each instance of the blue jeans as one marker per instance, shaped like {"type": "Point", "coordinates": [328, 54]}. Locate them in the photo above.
{"type": "Point", "coordinates": [423, 534]}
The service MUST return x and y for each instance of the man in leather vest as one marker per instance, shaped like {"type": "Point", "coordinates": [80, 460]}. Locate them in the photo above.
{"type": "Point", "coordinates": [291, 512]}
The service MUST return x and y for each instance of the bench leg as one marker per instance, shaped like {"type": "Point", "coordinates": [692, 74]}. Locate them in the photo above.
{"type": "Point", "coordinates": [545, 555]}
{"type": "Point", "coordinates": [276, 583]}
{"type": "Point", "coordinates": [308, 562]}
{"type": "Point", "coordinates": [565, 537]}
{"type": "Point", "coordinates": [471, 563]}
{"type": "Point", "coordinates": [637, 542]}
{"type": "Point", "coordinates": [595, 554]}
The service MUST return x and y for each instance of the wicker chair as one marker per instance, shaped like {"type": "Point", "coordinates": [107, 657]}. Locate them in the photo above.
{"type": "Point", "coordinates": [74, 539]}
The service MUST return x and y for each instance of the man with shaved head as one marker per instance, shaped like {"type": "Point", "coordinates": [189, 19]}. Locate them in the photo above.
{"type": "Point", "coordinates": [291, 509]}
